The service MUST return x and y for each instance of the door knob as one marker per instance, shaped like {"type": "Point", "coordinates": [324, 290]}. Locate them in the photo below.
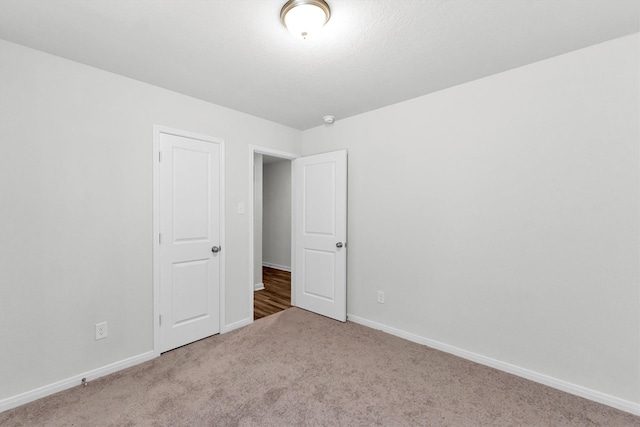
{"type": "Point", "coordinates": [216, 249]}
{"type": "Point", "coordinates": [339, 245]}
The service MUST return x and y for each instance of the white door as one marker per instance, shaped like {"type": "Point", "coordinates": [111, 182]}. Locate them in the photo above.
{"type": "Point", "coordinates": [320, 260]}
{"type": "Point", "coordinates": [189, 250]}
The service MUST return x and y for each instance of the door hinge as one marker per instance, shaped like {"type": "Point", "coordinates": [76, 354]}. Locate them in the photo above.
{"type": "Point", "coordinates": [160, 319]}
{"type": "Point", "coordinates": [159, 156]}
{"type": "Point", "coordinates": [159, 238]}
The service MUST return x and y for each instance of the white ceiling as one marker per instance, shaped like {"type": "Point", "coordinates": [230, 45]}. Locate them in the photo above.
{"type": "Point", "coordinates": [371, 53]}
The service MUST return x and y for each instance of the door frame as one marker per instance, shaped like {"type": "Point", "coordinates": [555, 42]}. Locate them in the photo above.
{"type": "Point", "coordinates": [253, 150]}
{"type": "Point", "coordinates": [157, 130]}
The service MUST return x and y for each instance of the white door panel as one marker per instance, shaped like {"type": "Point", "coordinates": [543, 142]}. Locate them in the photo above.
{"type": "Point", "coordinates": [319, 268]}
{"type": "Point", "coordinates": [189, 204]}
{"type": "Point", "coordinates": [320, 199]}
{"type": "Point", "coordinates": [320, 258]}
{"type": "Point", "coordinates": [191, 210]}
{"type": "Point", "coordinates": [190, 287]}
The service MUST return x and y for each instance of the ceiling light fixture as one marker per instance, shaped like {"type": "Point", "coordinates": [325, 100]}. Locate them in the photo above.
{"type": "Point", "coordinates": [303, 18]}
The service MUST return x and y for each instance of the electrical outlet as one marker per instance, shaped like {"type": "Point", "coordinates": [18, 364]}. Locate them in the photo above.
{"type": "Point", "coordinates": [381, 297]}
{"type": "Point", "coordinates": [102, 330]}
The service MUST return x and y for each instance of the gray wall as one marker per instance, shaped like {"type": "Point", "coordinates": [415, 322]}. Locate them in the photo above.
{"type": "Point", "coordinates": [501, 217]}
{"type": "Point", "coordinates": [76, 212]}
{"type": "Point", "coordinates": [257, 220]}
{"type": "Point", "coordinates": [276, 245]}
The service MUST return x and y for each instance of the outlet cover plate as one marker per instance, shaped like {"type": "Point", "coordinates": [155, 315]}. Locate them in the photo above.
{"type": "Point", "coordinates": [102, 330]}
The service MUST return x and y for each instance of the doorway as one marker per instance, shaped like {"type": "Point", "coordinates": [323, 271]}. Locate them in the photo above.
{"type": "Point", "coordinates": [272, 235]}
{"type": "Point", "coordinates": [318, 230]}
{"type": "Point", "coordinates": [272, 246]}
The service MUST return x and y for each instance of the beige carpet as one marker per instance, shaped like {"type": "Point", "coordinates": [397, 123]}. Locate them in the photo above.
{"type": "Point", "coordinates": [298, 368]}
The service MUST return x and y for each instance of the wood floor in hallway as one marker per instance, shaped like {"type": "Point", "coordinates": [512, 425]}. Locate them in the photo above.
{"type": "Point", "coordinates": [276, 295]}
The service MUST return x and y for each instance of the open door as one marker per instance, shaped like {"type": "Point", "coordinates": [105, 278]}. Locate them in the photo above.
{"type": "Point", "coordinates": [320, 259]}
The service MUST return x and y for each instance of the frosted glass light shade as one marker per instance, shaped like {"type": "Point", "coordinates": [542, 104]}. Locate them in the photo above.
{"type": "Point", "coordinates": [303, 18]}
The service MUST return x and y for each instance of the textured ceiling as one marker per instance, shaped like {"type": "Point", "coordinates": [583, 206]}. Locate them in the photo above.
{"type": "Point", "coordinates": [370, 54]}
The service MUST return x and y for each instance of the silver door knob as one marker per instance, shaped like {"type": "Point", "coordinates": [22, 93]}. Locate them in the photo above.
{"type": "Point", "coordinates": [339, 245]}
{"type": "Point", "coordinates": [216, 249]}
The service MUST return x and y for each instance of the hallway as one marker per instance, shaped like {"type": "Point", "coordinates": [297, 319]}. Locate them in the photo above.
{"type": "Point", "coordinates": [276, 295]}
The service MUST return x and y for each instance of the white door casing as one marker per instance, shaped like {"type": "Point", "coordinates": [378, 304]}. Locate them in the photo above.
{"type": "Point", "coordinates": [190, 226]}
{"type": "Point", "coordinates": [320, 191]}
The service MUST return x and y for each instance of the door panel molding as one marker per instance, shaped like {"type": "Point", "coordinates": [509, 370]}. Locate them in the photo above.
{"type": "Point", "coordinates": [158, 131]}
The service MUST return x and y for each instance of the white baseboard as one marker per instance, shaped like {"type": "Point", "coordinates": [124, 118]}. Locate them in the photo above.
{"type": "Point", "coordinates": [258, 286]}
{"type": "Point", "coordinates": [596, 396]}
{"type": "Point", "coordinates": [277, 266]}
{"type": "Point", "coordinates": [236, 325]}
{"type": "Point", "coordinates": [76, 380]}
